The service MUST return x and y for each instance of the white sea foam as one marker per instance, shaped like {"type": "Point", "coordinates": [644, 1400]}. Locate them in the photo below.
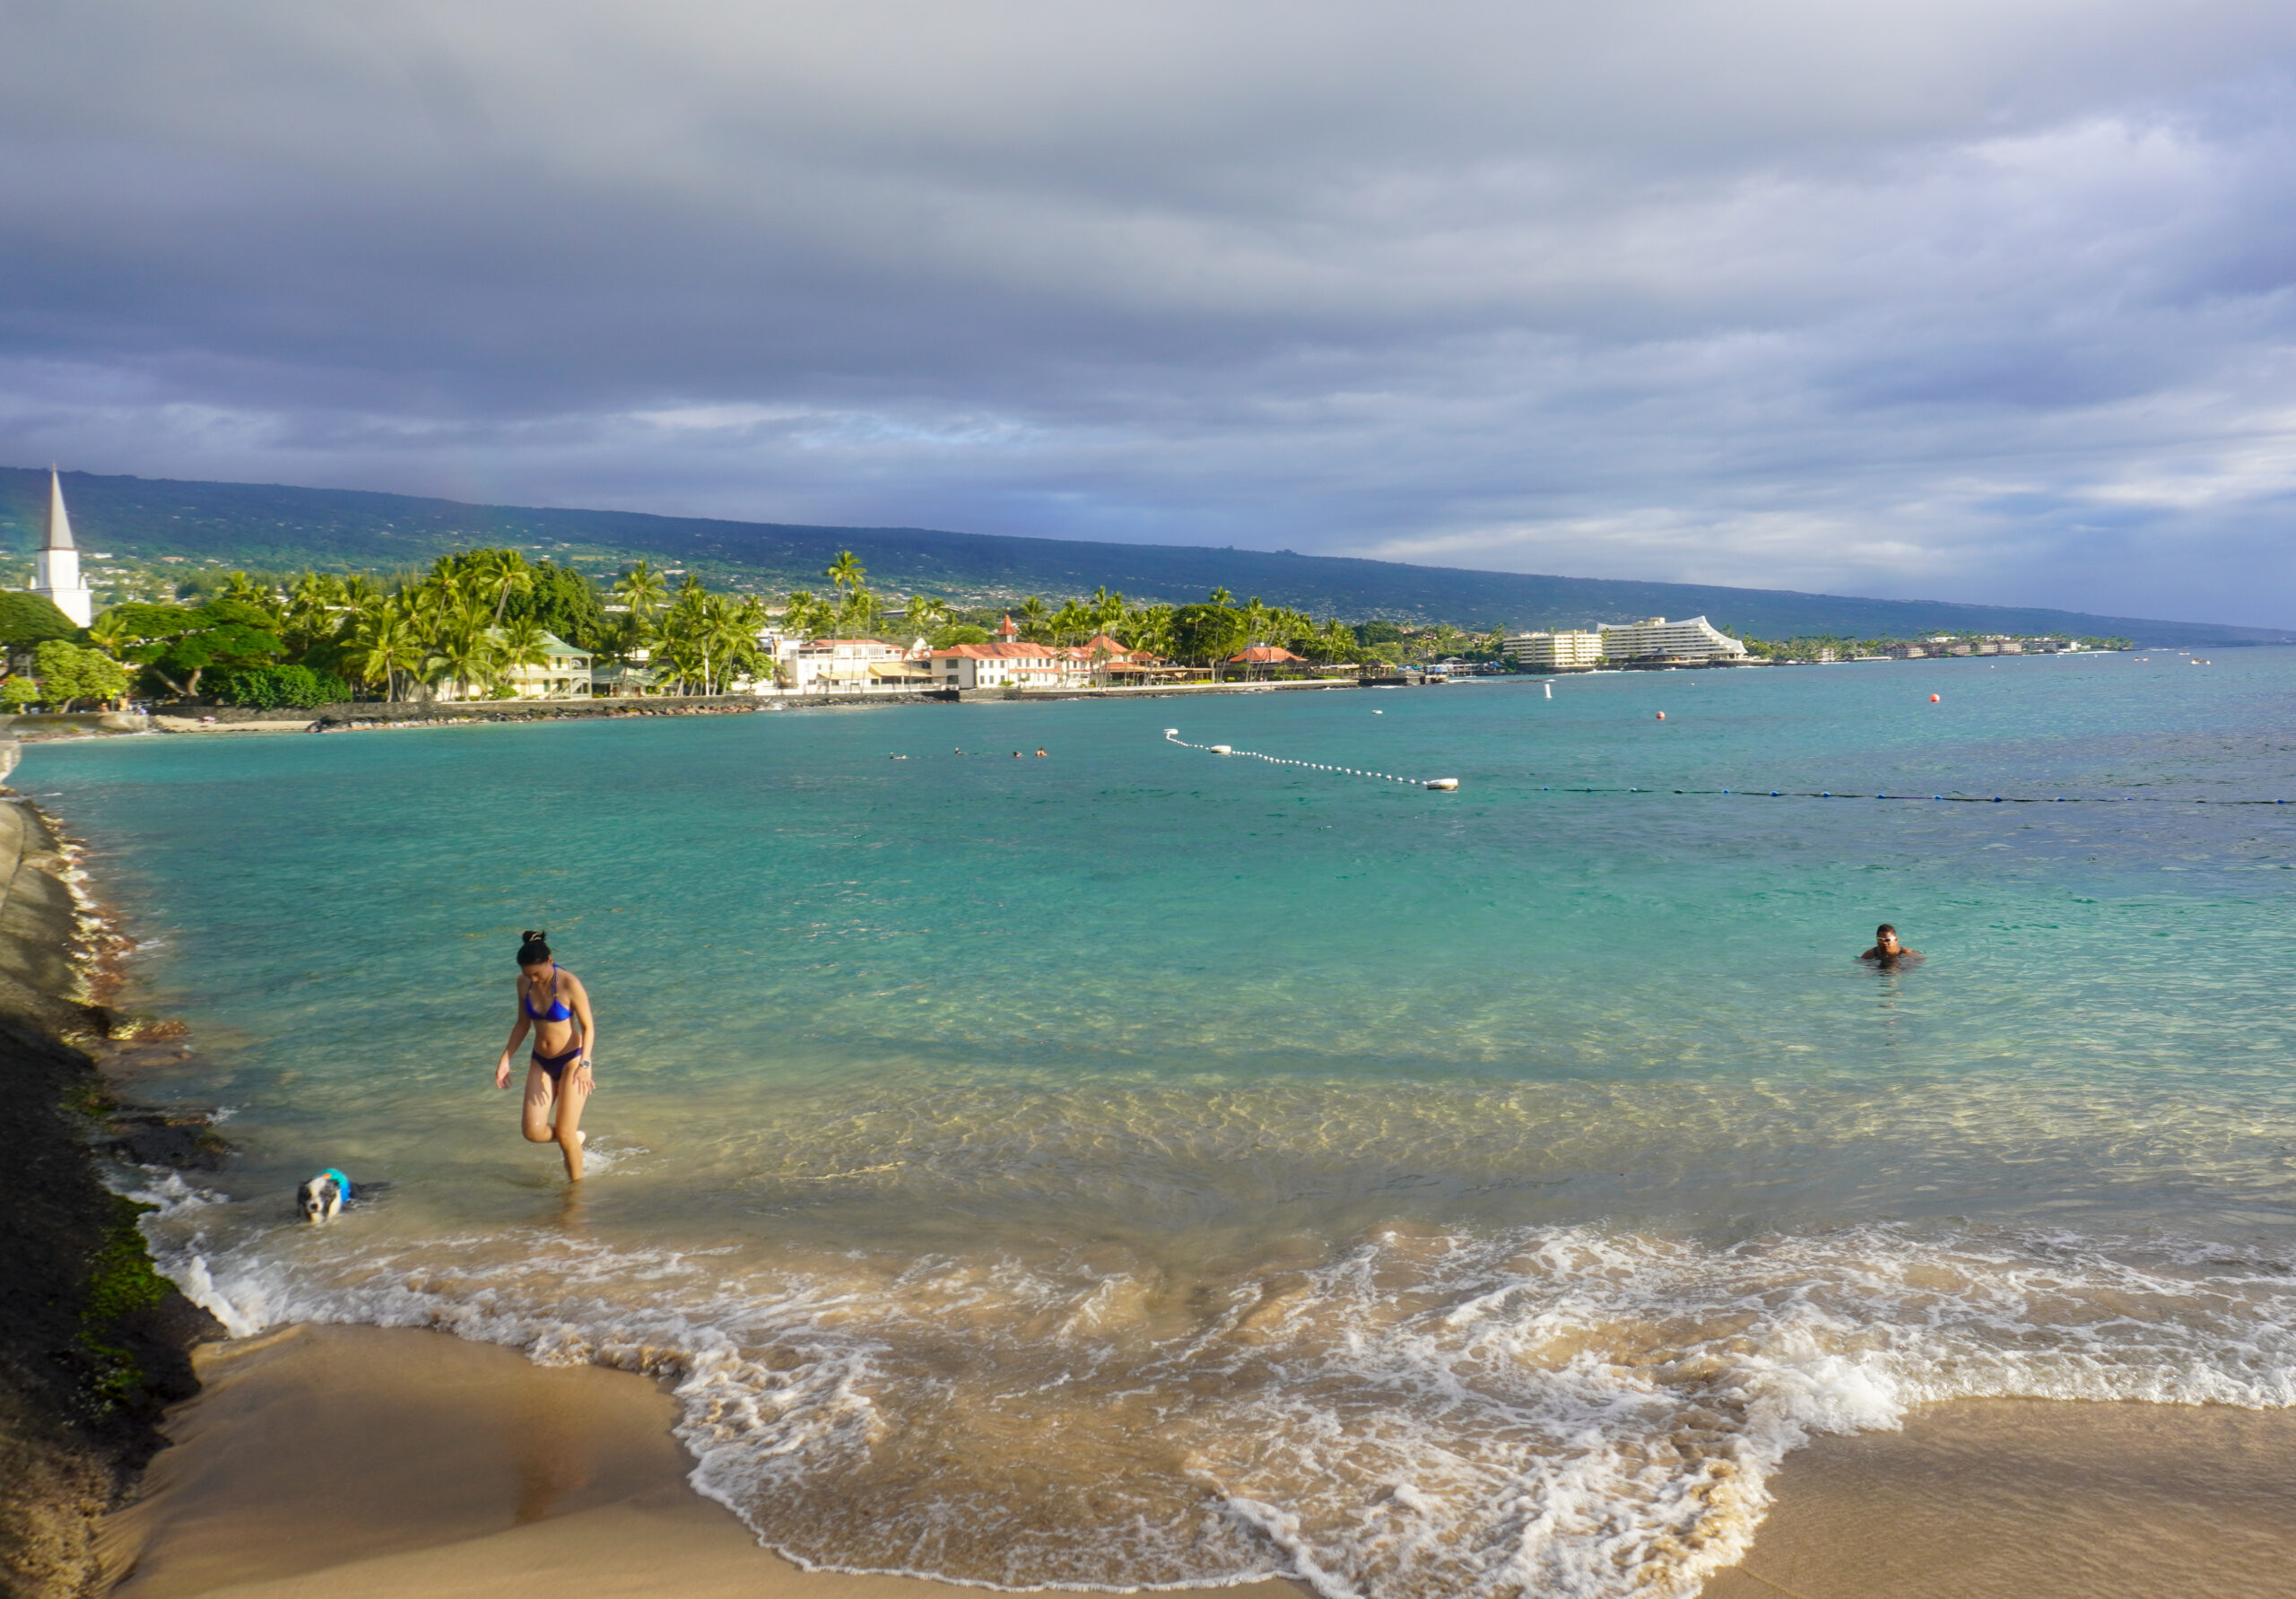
{"type": "Point", "coordinates": [1563, 1411]}
{"type": "Point", "coordinates": [163, 1189]}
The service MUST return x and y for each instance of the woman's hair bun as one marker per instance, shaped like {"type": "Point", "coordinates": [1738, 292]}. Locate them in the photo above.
{"type": "Point", "coordinates": [531, 937]}
{"type": "Point", "coordinates": [533, 948]}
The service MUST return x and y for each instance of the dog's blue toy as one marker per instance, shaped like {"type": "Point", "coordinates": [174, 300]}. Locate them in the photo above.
{"type": "Point", "coordinates": [342, 1183]}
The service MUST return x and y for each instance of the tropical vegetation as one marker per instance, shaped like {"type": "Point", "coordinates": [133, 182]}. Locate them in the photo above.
{"type": "Point", "coordinates": [475, 622]}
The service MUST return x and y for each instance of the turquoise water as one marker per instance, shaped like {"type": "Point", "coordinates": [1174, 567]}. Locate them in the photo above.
{"type": "Point", "coordinates": [1143, 1166]}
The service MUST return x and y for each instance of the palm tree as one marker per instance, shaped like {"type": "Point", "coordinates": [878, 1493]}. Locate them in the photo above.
{"type": "Point", "coordinates": [524, 642]}
{"type": "Point", "coordinates": [926, 613]}
{"type": "Point", "coordinates": [1218, 597]}
{"type": "Point", "coordinates": [1149, 628]}
{"type": "Point", "coordinates": [1107, 609]}
{"type": "Point", "coordinates": [314, 608]}
{"type": "Point", "coordinates": [1255, 621]}
{"type": "Point", "coordinates": [1068, 621]}
{"type": "Point", "coordinates": [501, 573]}
{"type": "Point", "coordinates": [733, 630]}
{"type": "Point", "coordinates": [111, 634]}
{"type": "Point", "coordinates": [1032, 610]}
{"type": "Point", "coordinates": [642, 589]}
{"type": "Point", "coordinates": [856, 616]}
{"type": "Point", "coordinates": [466, 658]}
{"type": "Point", "coordinates": [383, 647]}
{"type": "Point", "coordinates": [803, 613]}
{"type": "Point", "coordinates": [240, 587]}
{"type": "Point", "coordinates": [846, 572]}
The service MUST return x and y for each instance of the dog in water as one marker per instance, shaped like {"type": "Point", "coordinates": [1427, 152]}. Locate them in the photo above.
{"type": "Point", "coordinates": [321, 1198]}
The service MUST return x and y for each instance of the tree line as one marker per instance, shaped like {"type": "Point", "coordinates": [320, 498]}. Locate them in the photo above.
{"type": "Point", "coordinates": [474, 622]}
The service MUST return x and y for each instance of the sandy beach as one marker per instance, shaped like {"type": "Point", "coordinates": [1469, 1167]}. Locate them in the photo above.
{"type": "Point", "coordinates": [338, 1460]}
{"type": "Point", "coordinates": [333, 1460]}
{"type": "Point", "coordinates": [2034, 1499]}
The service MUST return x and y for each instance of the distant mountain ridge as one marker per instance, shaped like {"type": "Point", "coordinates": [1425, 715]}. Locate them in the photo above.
{"type": "Point", "coordinates": [275, 525]}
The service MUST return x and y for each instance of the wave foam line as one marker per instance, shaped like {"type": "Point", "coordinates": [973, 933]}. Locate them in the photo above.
{"type": "Point", "coordinates": [1567, 1411]}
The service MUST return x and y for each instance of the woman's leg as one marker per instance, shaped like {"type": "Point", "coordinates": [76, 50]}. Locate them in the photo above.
{"type": "Point", "coordinates": [542, 1094]}
{"type": "Point", "coordinates": [571, 1096]}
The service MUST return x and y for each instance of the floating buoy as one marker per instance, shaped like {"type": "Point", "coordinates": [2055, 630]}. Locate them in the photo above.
{"type": "Point", "coordinates": [1661, 716]}
{"type": "Point", "coordinates": [1379, 713]}
{"type": "Point", "coordinates": [1550, 691]}
{"type": "Point", "coordinates": [1445, 784]}
{"type": "Point", "coordinates": [1933, 699]}
{"type": "Point", "coordinates": [1221, 749]}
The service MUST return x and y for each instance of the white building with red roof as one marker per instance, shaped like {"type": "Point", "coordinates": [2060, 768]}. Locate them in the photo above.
{"type": "Point", "coordinates": [1015, 662]}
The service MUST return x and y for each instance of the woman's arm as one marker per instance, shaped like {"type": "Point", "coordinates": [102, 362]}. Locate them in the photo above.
{"type": "Point", "coordinates": [579, 1000]}
{"type": "Point", "coordinates": [519, 1024]}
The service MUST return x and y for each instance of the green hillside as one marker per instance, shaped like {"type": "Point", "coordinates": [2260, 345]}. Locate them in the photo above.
{"type": "Point", "coordinates": [278, 528]}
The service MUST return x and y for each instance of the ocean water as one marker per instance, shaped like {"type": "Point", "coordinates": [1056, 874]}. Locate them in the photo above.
{"type": "Point", "coordinates": [1144, 1166]}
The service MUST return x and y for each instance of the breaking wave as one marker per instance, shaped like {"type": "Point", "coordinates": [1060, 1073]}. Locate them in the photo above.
{"type": "Point", "coordinates": [1563, 1411]}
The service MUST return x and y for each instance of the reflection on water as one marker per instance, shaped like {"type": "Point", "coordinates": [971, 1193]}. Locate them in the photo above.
{"type": "Point", "coordinates": [1141, 1168]}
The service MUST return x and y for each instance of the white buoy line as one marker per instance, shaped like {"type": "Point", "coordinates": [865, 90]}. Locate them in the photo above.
{"type": "Point", "coordinates": [1443, 784]}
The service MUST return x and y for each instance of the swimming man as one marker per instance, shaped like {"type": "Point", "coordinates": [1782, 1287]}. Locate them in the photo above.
{"type": "Point", "coordinates": [1887, 951]}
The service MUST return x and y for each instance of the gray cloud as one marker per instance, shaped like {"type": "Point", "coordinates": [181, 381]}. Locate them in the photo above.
{"type": "Point", "coordinates": [1981, 301]}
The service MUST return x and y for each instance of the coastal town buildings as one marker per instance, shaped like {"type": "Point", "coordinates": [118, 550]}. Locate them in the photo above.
{"type": "Point", "coordinates": [852, 666]}
{"type": "Point", "coordinates": [622, 679]}
{"type": "Point", "coordinates": [567, 675]}
{"type": "Point", "coordinates": [56, 565]}
{"type": "Point", "coordinates": [1266, 657]}
{"type": "Point", "coordinates": [1016, 663]}
{"type": "Point", "coordinates": [1657, 641]}
{"type": "Point", "coordinates": [1560, 651]}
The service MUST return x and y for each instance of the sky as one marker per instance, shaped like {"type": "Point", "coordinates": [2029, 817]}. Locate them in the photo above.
{"type": "Point", "coordinates": [1973, 301]}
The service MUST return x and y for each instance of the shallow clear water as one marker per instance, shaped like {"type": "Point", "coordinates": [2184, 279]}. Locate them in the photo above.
{"type": "Point", "coordinates": [1139, 1166]}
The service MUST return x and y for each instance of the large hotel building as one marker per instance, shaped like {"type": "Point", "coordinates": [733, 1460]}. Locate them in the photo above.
{"type": "Point", "coordinates": [1693, 643]}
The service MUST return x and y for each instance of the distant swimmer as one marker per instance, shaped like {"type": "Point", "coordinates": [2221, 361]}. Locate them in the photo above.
{"type": "Point", "coordinates": [1040, 754]}
{"type": "Point", "coordinates": [1887, 951]}
{"type": "Point", "coordinates": [1016, 754]}
{"type": "Point", "coordinates": [553, 1004]}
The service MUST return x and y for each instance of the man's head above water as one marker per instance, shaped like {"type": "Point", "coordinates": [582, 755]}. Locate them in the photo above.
{"type": "Point", "coordinates": [1886, 946]}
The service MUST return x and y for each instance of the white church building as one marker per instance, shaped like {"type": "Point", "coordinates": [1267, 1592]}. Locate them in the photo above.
{"type": "Point", "coordinates": [56, 565]}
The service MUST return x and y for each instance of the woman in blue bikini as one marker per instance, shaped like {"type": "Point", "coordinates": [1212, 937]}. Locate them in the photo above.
{"type": "Point", "coordinates": [553, 1004]}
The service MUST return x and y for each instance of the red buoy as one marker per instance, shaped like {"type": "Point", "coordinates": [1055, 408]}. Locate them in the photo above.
{"type": "Point", "coordinates": [1661, 716]}
{"type": "Point", "coordinates": [1933, 699]}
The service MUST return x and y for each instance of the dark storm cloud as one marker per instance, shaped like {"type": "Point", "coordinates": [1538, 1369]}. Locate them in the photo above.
{"type": "Point", "coordinates": [1987, 301]}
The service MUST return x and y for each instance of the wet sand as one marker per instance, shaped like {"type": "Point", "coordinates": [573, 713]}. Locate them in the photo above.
{"type": "Point", "coordinates": [326, 1460]}
{"type": "Point", "coordinates": [2034, 1499]}
{"type": "Point", "coordinates": [377, 1462]}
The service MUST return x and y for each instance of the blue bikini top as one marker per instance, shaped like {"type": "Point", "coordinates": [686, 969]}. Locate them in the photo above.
{"type": "Point", "coordinates": [558, 1011]}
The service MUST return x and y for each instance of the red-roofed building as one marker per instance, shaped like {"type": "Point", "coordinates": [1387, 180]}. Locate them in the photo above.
{"type": "Point", "coordinates": [1013, 665]}
{"type": "Point", "coordinates": [1266, 655]}
{"type": "Point", "coordinates": [1017, 663]}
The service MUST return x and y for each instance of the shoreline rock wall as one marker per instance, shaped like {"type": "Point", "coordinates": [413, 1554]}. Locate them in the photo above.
{"type": "Point", "coordinates": [94, 1343]}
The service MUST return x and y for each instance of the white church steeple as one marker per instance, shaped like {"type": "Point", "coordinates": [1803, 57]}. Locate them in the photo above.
{"type": "Point", "coordinates": [55, 565]}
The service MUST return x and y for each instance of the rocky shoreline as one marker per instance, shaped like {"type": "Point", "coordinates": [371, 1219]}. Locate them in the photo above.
{"type": "Point", "coordinates": [93, 1342]}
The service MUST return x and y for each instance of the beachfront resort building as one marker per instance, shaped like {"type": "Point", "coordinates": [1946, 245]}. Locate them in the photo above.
{"type": "Point", "coordinates": [1697, 642]}
{"type": "Point", "coordinates": [1557, 651]}
{"type": "Point", "coordinates": [56, 564]}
